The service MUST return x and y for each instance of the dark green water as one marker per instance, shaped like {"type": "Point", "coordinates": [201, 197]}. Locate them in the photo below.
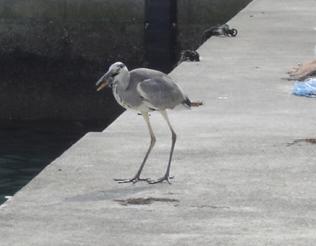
{"type": "Point", "coordinates": [27, 147]}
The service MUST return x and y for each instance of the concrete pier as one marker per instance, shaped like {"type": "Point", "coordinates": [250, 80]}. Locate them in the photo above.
{"type": "Point", "coordinates": [243, 173]}
{"type": "Point", "coordinates": [52, 52]}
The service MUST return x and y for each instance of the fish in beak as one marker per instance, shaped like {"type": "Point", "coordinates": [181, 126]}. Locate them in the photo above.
{"type": "Point", "coordinates": [103, 82]}
{"type": "Point", "coordinates": [108, 78]}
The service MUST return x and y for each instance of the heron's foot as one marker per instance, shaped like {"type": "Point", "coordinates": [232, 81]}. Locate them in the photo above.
{"type": "Point", "coordinates": [161, 180]}
{"type": "Point", "coordinates": [132, 180]}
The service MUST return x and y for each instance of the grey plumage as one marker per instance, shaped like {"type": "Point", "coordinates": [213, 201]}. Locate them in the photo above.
{"type": "Point", "coordinates": [145, 90]}
{"type": "Point", "coordinates": [144, 87]}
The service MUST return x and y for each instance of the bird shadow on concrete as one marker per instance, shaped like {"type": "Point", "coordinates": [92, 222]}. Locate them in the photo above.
{"type": "Point", "coordinates": [111, 194]}
{"type": "Point", "coordinates": [302, 140]}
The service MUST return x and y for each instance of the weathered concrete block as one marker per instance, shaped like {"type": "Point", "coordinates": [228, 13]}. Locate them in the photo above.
{"type": "Point", "coordinates": [52, 51]}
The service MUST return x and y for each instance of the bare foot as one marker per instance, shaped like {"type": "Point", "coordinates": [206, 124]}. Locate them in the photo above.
{"type": "Point", "coordinates": [301, 72]}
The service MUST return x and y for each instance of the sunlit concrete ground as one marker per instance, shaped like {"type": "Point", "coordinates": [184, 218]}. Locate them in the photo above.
{"type": "Point", "coordinates": [243, 173]}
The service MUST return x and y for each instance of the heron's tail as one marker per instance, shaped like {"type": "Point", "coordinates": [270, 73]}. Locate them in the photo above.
{"type": "Point", "coordinates": [188, 103]}
{"type": "Point", "coordinates": [196, 103]}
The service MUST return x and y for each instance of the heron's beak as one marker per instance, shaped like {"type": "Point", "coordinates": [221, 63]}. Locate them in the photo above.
{"type": "Point", "coordinates": [102, 82]}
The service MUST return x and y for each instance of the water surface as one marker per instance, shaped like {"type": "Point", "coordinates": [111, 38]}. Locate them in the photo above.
{"type": "Point", "coordinates": [26, 147]}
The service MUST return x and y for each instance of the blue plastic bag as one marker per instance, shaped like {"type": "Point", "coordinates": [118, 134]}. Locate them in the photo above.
{"type": "Point", "coordinates": [306, 88]}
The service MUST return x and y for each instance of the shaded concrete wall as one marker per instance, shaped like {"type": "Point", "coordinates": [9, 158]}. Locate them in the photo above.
{"type": "Point", "coordinates": [194, 16]}
{"type": "Point", "coordinates": [93, 30]}
{"type": "Point", "coordinates": [52, 51]}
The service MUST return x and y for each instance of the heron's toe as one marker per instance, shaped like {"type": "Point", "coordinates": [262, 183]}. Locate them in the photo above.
{"type": "Point", "coordinates": [161, 180]}
{"type": "Point", "coordinates": [132, 180]}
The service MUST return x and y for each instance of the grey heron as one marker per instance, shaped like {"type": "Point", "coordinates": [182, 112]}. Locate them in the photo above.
{"type": "Point", "coordinates": [145, 90]}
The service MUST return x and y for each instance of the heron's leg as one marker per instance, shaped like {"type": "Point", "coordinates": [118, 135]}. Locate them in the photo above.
{"type": "Point", "coordinates": [174, 138]}
{"type": "Point", "coordinates": [152, 143]}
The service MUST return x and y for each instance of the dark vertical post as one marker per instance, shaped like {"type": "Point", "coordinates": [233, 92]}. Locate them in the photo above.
{"type": "Point", "coordinates": [161, 34]}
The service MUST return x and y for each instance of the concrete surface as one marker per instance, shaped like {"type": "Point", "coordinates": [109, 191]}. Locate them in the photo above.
{"type": "Point", "coordinates": [240, 176]}
{"type": "Point", "coordinates": [195, 16]}
{"type": "Point", "coordinates": [53, 51]}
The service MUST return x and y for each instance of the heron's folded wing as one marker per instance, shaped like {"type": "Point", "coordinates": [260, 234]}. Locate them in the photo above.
{"type": "Point", "coordinates": [160, 92]}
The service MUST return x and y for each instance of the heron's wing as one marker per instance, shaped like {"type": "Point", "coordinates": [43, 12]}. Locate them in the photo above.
{"type": "Point", "coordinates": [160, 92]}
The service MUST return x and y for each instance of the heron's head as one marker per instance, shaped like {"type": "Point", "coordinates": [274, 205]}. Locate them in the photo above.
{"type": "Point", "coordinates": [113, 74]}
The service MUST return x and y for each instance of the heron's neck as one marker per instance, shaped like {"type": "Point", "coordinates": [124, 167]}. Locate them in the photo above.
{"type": "Point", "coordinates": [124, 78]}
